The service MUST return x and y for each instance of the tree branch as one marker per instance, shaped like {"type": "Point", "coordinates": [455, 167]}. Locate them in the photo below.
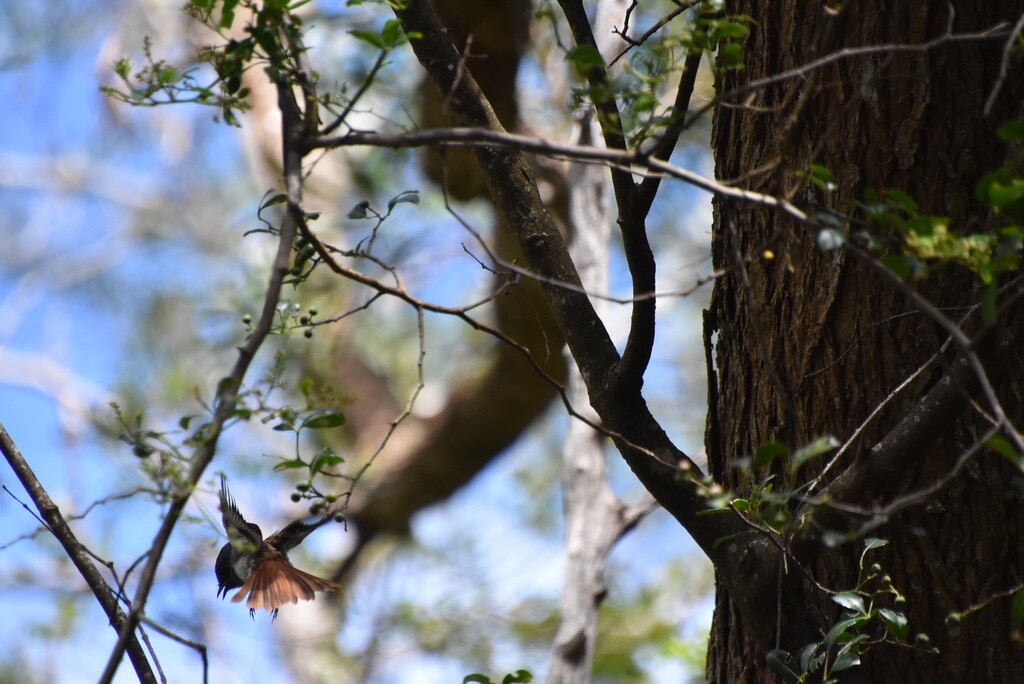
{"type": "Point", "coordinates": [676, 125]}
{"type": "Point", "coordinates": [76, 552]}
{"type": "Point", "coordinates": [663, 469]}
{"type": "Point", "coordinates": [479, 135]}
{"type": "Point", "coordinates": [293, 126]}
{"type": "Point", "coordinates": [628, 374]}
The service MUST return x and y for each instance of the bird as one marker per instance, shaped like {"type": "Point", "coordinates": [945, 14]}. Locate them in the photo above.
{"type": "Point", "coordinates": [261, 566]}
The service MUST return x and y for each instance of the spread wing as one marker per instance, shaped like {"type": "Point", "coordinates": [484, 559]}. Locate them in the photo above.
{"type": "Point", "coordinates": [245, 537]}
{"type": "Point", "coordinates": [290, 536]}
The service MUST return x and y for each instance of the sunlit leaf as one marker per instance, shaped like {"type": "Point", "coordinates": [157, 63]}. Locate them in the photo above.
{"type": "Point", "coordinates": [290, 464]}
{"type": "Point", "coordinates": [325, 459]}
{"type": "Point", "coordinates": [407, 197]}
{"type": "Point", "coordinates": [324, 418]}
{"type": "Point", "coordinates": [821, 445]}
{"type": "Point", "coordinates": [369, 37]}
{"type": "Point", "coordinates": [850, 601]}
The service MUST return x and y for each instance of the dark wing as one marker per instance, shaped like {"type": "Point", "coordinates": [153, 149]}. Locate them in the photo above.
{"type": "Point", "coordinates": [244, 536]}
{"type": "Point", "coordinates": [290, 536]}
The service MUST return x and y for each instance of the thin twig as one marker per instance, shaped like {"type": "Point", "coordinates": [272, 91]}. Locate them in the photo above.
{"type": "Point", "coordinates": [1004, 66]}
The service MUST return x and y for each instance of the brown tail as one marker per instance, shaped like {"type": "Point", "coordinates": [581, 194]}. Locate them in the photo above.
{"type": "Point", "coordinates": [276, 582]}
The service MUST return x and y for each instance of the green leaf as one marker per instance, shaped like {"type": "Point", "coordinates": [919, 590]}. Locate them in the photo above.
{"type": "Point", "coordinates": [645, 102]}
{"type": "Point", "coordinates": [225, 385]}
{"type": "Point", "coordinates": [989, 301]}
{"type": "Point", "coordinates": [845, 661]}
{"type": "Point", "coordinates": [585, 58]}
{"type": "Point", "coordinates": [392, 33]}
{"type": "Point", "coordinates": [781, 663]}
{"type": "Point", "coordinates": [517, 677]}
{"type": "Point", "coordinates": [279, 198]}
{"type": "Point", "coordinates": [822, 173]}
{"type": "Point", "coordinates": [407, 197]}
{"type": "Point", "coordinates": [1017, 609]}
{"type": "Point", "coordinates": [729, 29]}
{"type": "Point", "coordinates": [284, 427]}
{"type": "Point", "coordinates": [901, 200]}
{"type": "Point", "coordinates": [895, 621]}
{"type": "Point", "coordinates": [325, 459]}
{"type": "Point", "coordinates": [769, 452]}
{"type": "Point", "coordinates": [227, 14]}
{"type": "Point", "coordinates": [123, 68]}
{"type": "Point", "coordinates": [821, 445]}
{"type": "Point", "coordinates": [1004, 449]}
{"type": "Point", "coordinates": [290, 464]}
{"type": "Point", "coordinates": [241, 412]}
{"type": "Point", "coordinates": [897, 263]}
{"type": "Point", "coordinates": [730, 55]}
{"type": "Point", "coordinates": [324, 418]}
{"type": "Point", "coordinates": [841, 629]}
{"type": "Point", "coordinates": [1011, 131]}
{"type": "Point", "coordinates": [369, 37]}
{"type": "Point", "coordinates": [850, 601]}
{"type": "Point", "coordinates": [874, 543]}
{"type": "Point", "coordinates": [820, 176]}
{"type": "Point", "coordinates": [1002, 195]}
{"type": "Point", "coordinates": [477, 677]}
{"type": "Point", "coordinates": [809, 661]}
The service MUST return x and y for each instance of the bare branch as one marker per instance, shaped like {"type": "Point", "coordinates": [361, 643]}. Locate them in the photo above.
{"type": "Point", "coordinates": [485, 137]}
{"type": "Point", "coordinates": [1004, 65]}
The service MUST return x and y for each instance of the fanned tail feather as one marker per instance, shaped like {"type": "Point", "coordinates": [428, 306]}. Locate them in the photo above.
{"type": "Point", "coordinates": [276, 582]}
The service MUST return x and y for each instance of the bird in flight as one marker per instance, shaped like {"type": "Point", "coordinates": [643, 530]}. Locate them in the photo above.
{"type": "Point", "coordinates": [261, 566]}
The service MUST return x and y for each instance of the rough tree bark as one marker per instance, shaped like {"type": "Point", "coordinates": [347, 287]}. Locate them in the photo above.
{"type": "Point", "coordinates": [814, 342]}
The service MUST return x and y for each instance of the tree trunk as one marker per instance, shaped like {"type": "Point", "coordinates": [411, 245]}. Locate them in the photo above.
{"type": "Point", "coordinates": [809, 343]}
